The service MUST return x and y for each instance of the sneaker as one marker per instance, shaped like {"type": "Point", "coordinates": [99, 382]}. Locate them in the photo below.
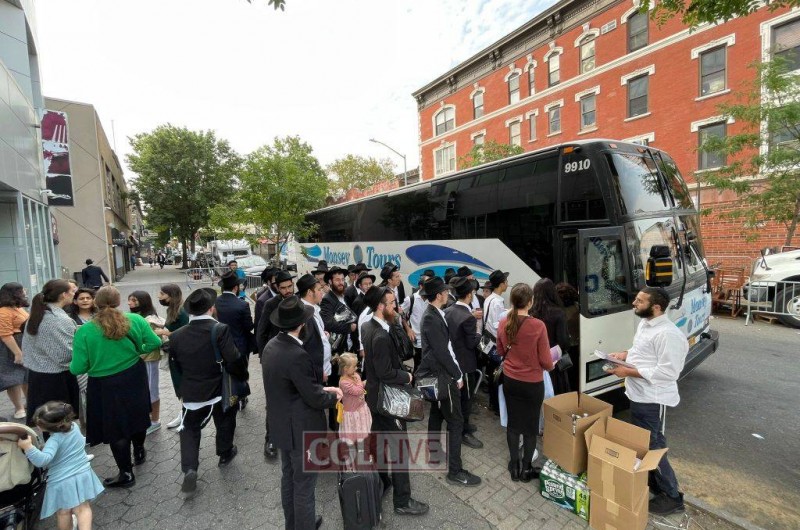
{"type": "Point", "coordinates": [666, 505]}
{"type": "Point", "coordinates": [189, 485]}
{"type": "Point", "coordinates": [463, 478]}
{"type": "Point", "coordinates": [20, 414]}
{"type": "Point", "coordinates": [470, 441]}
{"type": "Point", "coordinates": [154, 426]}
{"type": "Point", "coordinates": [174, 423]}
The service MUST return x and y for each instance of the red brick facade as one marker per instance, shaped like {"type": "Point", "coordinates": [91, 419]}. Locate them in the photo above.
{"type": "Point", "coordinates": [675, 108]}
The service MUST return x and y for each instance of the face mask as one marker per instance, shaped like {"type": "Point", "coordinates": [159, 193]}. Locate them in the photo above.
{"type": "Point", "coordinates": [165, 303]}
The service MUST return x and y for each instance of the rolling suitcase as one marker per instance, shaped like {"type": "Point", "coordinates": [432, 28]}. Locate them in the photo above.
{"type": "Point", "coordinates": [360, 494]}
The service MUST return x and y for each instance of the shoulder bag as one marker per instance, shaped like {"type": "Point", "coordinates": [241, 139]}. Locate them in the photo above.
{"type": "Point", "coordinates": [234, 390]}
{"type": "Point", "coordinates": [402, 402]}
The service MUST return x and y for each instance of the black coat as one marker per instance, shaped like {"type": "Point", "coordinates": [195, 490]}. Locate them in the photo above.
{"type": "Point", "coordinates": [329, 306]}
{"type": "Point", "coordinates": [264, 328]}
{"type": "Point", "coordinates": [263, 296]}
{"type": "Point", "coordinates": [381, 362]}
{"type": "Point", "coordinates": [235, 312]}
{"type": "Point", "coordinates": [312, 343]}
{"type": "Point", "coordinates": [295, 398]}
{"type": "Point", "coordinates": [193, 358]}
{"type": "Point", "coordinates": [93, 276]}
{"type": "Point", "coordinates": [464, 336]}
{"type": "Point", "coordinates": [436, 357]}
{"type": "Point", "coordinates": [350, 294]}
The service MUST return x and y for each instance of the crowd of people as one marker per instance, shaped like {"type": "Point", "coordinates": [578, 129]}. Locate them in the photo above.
{"type": "Point", "coordinates": [327, 341]}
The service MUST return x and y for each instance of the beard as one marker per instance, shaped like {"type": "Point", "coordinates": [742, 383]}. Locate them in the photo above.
{"type": "Point", "coordinates": [644, 313]}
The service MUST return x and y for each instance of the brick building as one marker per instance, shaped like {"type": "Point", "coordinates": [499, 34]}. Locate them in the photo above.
{"type": "Point", "coordinates": [602, 69]}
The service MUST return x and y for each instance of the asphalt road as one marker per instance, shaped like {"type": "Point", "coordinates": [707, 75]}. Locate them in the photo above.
{"type": "Point", "coordinates": [735, 437]}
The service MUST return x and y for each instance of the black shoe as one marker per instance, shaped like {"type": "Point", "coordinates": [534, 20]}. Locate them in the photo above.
{"type": "Point", "coordinates": [318, 523]}
{"type": "Point", "coordinates": [189, 481]}
{"type": "Point", "coordinates": [513, 468]}
{"type": "Point", "coordinates": [243, 404]}
{"type": "Point", "coordinates": [666, 505]}
{"type": "Point", "coordinates": [529, 473]}
{"type": "Point", "coordinates": [225, 458]}
{"type": "Point", "coordinates": [463, 478]}
{"type": "Point", "coordinates": [470, 441]}
{"type": "Point", "coordinates": [269, 451]}
{"type": "Point", "coordinates": [412, 508]}
{"type": "Point", "coordinates": [123, 480]}
{"type": "Point", "coordinates": [139, 456]}
{"type": "Point", "coordinates": [470, 429]}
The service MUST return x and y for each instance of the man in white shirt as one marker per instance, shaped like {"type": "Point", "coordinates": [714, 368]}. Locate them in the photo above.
{"type": "Point", "coordinates": [413, 308]}
{"type": "Point", "coordinates": [657, 355]}
{"type": "Point", "coordinates": [494, 309]}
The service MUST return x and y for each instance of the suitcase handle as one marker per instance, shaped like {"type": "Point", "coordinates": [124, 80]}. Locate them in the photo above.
{"type": "Point", "coordinates": [358, 506]}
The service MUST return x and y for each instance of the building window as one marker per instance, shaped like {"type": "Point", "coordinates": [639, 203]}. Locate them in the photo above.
{"type": "Point", "coordinates": [710, 159]}
{"type": "Point", "coordinates": [712, 71]}
{"type": "Point", "coordinates": [553, 70]}
{"type": "Point", "coordinates": [478, 140]}
{"type": "Point", "coordinates": [445, 159]}
{"type": "Point", "coordinates": [531, 85]}
{"type": "Point", "coordinates": [514, 135]}
{"type": "Point", "coordinates": [445, 120]}
{"type": "Point", "coordinates": [513, 89]}
{"type": "Point", "coordinates": [786, 43]}
{"type": "Point", "coordinates": [477, 105]}
{"type": "Point", "coordinates": [587, 54]}
{"type": "Point", "coordinates": [588, 111]}
{"type": "Point", "coordinates": [637, 31]}
{"type": "Point", "coordinates": [637, 96]}
{"type": "Point", "coordinates": [533, 127]}
{"type": "Point", "coordinates": [554, 120]}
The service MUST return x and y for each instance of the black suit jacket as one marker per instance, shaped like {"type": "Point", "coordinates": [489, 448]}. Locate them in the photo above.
{"type": "Point", "coordinates": [312, 343]}
{"type": "Point", "coordinates": [235, 312]}
{"type": "Point", "coordinates": [294, 397]}
{"type": "Point", "coordinates": [264, 328]}
{"type": "Point", "coordinates": [193, 358]}
{"type": "Point", "coordinates": [463, 329]}
{"type": "Point", "coordinates": [381, 362]}
{"type": "Point", "coordinates": [328, 308]}
{"type": "Point", "coordinates": [93, 276]}
{"type": "Point", "coordinates": [350, 294]}
{"type": "Point", "coordinates": [436, 358]}
{"type": "Point", "coordinates": [263, 296]}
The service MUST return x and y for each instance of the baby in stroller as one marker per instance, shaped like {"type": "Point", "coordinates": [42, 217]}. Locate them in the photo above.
{"type": "Point", "coordinates": [21, 484]}
{"type": "Point", "coordinates": [71, 482]}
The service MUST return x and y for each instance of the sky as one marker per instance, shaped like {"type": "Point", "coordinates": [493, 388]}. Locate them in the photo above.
{"type": "Point", "coordinates": [334, 72]}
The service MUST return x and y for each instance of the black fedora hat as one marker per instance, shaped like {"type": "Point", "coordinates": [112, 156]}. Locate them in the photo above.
{"type": "Point", "coordinates": [429, 273]}
{"type": "Point", "coordinates": [387, 270]}
{"type": "Point", "coordinates": [363, 275]}
{"type": "Point", "coordinates": [496, 278]}
{"type": "Point", "coordinates": [463, 272]}
{"type": "Point", "coordinates": [200, 301]}
{"type": "Point", "coordinates": [229, 280]}
{"type": "Point", "coordinates": [351, 269]}
{"type": "Point", "coordinates": [462, 286]}
{"type": "Point", "coordinates": [283, 276]}
{"type": "Point", "coordinates": [487, 285]}
{"type": "Point", "coordinates": [334, 270]}
{"type": "Point", "coordinates": [305, 282]}
{"type": "Point", "coordinates": [432, 287]}
{"type": "Point", "coordinates": [268, 273]}
{"type": "Point", "coordinates": [291, 313]}
{"type": "Point", "coordinates": [360, 267]}
{"type": "Point", "coordinates": [448, 275]}
{"type": "Point", "coordinates": [322, 266]}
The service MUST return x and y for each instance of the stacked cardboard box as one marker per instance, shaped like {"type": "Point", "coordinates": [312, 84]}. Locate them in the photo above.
{"type": "Point", "coordinates": [565, 489]}
{"type": "Point", "coordinates": [564, 441]}
{"type": "Point", "coordinates": [618, 465]}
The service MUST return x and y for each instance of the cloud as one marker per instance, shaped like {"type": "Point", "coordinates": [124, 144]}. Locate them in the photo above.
{"type": "Point", "coordinates": [334, 73]}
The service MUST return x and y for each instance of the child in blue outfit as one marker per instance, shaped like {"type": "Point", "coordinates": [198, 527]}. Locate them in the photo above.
{"type": "Point", "coordinates": [71, 483]}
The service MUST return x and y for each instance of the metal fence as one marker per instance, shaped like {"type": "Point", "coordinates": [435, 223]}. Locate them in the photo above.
{"type": "Point", "coordinates": [780, 299]}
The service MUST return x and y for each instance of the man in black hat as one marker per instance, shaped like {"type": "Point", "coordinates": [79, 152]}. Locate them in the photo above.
{"type": "Point", "coordinates": [297, 401]}
{"type": "Point", "coordinates": [439, 360]}
{"type": "Point", "coordinates": [493, 310]}
{"type": "Point", "coordinates": [477, 300]}
{"type": "Point", "coordinates": [315, 340]}
{"type": "Point", "coordinates": [382, 366]}
{"type": "Point", "coordinates": [267, 291]}
{"type": "Point", "coordinates": [319, 274]}
{"type": "Point", "coordinates": [351, 292]}
{"type": "Point", "coordinates": [363, 283]}
{"type": "Point", "coordinates": [235, 313]}
{"type": "Point", "coordinates": [194, 359]}
{"type": "Point", "coordinates": [463, 328]}
{"type": "Point", "coordinates": [266, 331]}
{"type": "Point", "coordinates": [390, 273]}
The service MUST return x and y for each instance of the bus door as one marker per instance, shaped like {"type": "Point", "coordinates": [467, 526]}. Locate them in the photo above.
{"type": "Point", "coordinates": [566, 272]}
{"type": "Point", "coordinates": [607, 321]}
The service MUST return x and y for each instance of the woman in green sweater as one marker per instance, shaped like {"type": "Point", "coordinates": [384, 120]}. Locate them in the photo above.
{"type": "Point", "coordinates": [118, 412]}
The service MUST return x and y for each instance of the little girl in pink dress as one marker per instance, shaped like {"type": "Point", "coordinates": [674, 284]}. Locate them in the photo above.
{"type": "Point", "coordinates": [357, 420]}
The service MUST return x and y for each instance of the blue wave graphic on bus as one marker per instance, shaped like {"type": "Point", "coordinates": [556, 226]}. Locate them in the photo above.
{"type": "Point", "coordinates": [439, 270]}
{"type": "Point", "coordinates": [312, 254]}
{"type": "Point", "coordinates": [422, 254]}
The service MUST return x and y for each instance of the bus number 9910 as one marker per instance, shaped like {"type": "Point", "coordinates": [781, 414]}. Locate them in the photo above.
{"type": "Point", "coordinates": [580, 165]}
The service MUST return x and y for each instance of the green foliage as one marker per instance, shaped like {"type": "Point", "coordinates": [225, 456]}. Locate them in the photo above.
{"type": "Point", "coordinates": [182, 175]}
{"type": "Point", "coordinates": [696, 12]}
{"type": "Point", "coordinates": [276, 4]}
{"type": "Point", "coordinates": [278, 185]}
{"type": "Point", "coordinates": [488, 152]}
{"type": "Point", "coordinates": [358, 172]}
{"type": "Point", "coordinates": [763, 160]}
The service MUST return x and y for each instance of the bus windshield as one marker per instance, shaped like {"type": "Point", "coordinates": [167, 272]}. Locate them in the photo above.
{"type": "Point", "coordinates": [639, 188]}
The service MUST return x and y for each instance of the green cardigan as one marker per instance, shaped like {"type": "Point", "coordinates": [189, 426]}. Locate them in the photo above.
{"type": "Point", "coordinates": [99, 356]}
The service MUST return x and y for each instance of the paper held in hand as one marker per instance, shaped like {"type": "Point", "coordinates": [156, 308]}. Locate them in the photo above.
{"type": "Point", "coordinates": [603, 355]}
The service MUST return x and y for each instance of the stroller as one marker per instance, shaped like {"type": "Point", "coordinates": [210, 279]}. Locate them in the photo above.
{"type": "Point", "coordinates": [21, 484]}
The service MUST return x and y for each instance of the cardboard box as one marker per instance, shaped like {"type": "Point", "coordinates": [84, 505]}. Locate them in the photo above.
{"type": "Point", "coordinates": [565, 489]}
{"type": "Point", "coordinates": [614, 447]}
{"type": "Point", "coordinates": [563, 444]}
{"type": "Point", "coordinates": [608, 515]}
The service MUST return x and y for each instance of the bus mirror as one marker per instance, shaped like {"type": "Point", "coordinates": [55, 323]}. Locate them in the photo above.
{"type": "Point", "coordinates": [659, 267]}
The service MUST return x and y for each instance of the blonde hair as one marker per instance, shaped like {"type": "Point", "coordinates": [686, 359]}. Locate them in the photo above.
{"type": "Point", "coordinates": [111, 321]}
{"type": "Point", "coordinates": [348, 359]}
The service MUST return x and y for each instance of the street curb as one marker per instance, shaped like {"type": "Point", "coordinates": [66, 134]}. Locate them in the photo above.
{"type": "Point", "coordinates": [703, 506]}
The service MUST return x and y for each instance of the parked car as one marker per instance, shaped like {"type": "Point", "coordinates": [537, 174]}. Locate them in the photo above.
{"type": "Point", "coordinates": [252, 265]}
{"type": "Point", "coordinates": [775, 281]}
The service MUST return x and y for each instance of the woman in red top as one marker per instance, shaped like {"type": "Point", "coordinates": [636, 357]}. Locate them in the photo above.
{"type": "Point", "coordinates": [522, 341]}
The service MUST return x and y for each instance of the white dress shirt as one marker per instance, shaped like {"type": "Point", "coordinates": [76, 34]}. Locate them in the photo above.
{"type": "Point", "coordinates": [415, 319]}
{"type": "Point", "coordinates": [494, 309]}
{"type": "Point", "coordinates": [363, 318]}
{"type": "Point", "coordinates": [326, 345]}
{"type": "Point", "coordinates": [658, 353]}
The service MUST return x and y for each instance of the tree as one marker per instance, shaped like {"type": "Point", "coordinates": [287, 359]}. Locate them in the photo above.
{"type": "Point", "coordinates": [182, 174]}
{"type": "Point", "coordinates": [488, 152]}
{"type": "Point", "coordinates": [278, 185]}
{"type": "Point", "coordinates": [763, 160]}
{"type": "Point", "coordinates": [358, 172]}
{"type": "Point", "coordinates": [696, 12]}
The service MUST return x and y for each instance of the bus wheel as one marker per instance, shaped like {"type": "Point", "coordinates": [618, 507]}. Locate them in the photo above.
{"type": "Point", "coordinates": [788, 301]}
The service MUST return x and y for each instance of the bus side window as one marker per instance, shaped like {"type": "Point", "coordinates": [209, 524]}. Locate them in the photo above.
{"type": "Point", "coordinates": [606, 281]}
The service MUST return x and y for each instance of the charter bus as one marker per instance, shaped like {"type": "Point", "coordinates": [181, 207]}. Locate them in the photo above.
{"type": "Point", "coordinates": [607, 217]}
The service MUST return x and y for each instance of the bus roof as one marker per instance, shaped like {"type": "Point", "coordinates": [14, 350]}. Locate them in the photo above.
{"type": "Point", "coordinates": [496, 163]}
